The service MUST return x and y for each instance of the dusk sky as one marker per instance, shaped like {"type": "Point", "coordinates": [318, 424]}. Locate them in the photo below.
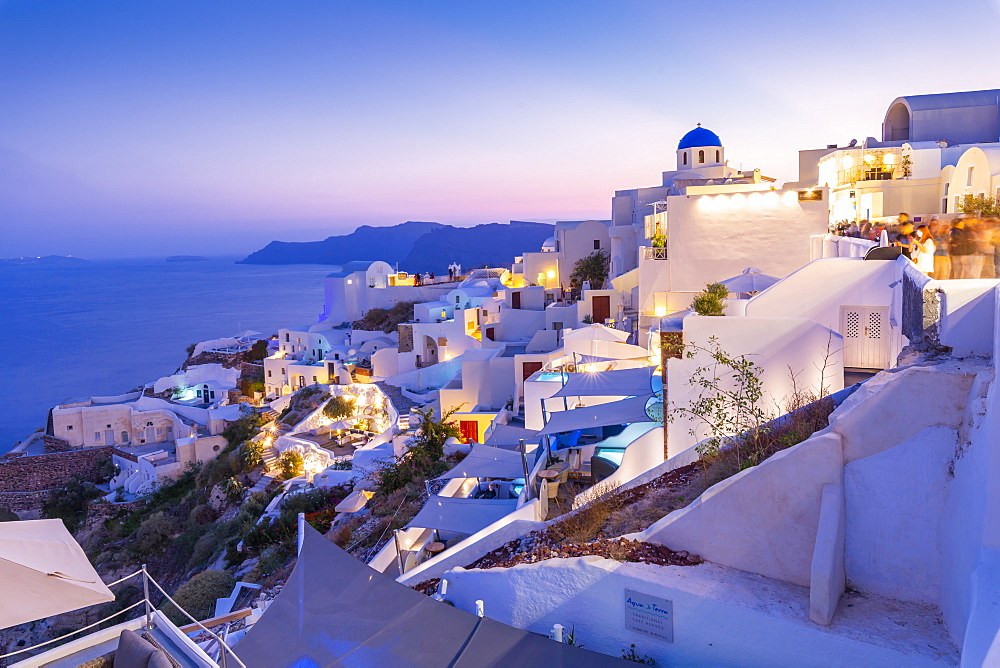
{"type": "Point", "coordinates": [143, 128]}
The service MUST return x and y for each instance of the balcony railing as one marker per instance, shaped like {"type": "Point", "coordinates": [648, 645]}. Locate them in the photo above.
{"type": "Point", "coordinates": [653, 253]}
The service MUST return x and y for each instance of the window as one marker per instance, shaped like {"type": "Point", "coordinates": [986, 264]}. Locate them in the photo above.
{"type": "Point", "coordinates": [97, 435]}
{"type": "Point", "coordinates": [314, 379]}
{"type": "Point", "coordinates": [288, 337]}
{"type": "Point", "coordinates": [149, 424]}
{"type": "Point", "coordinates": [701, 156]}
{"type": "Point", "coordinates": [968, 176]}
{"type": "Point", "coordinates": [268, 373]}
{"type": "Point", "coordinates": [298, 339]}
{"type": "Point", "coordinates": [107, 426]}
{"type": "Point", "coordinates": [124, 437]}
{"type": "Point", "coordinates": [718, 156]}
{"type": "Point", "coordinates": [458, 298]}
{"type": "Point", "coordinates": [69, 427]}
{"type": "Point", "coordinates": [597, 244]}
{"type": "Point", "coordinates": [684, 158]}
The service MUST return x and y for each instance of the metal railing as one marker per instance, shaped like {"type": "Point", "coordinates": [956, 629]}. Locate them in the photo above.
{"type": "Point", "coordinates": [224, 649]}
{"type": "Point", "coordinates": [654, 253]}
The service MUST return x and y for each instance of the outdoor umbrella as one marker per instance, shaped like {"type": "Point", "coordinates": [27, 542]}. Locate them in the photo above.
{"type": "Point", "coordinates": [751, 280]}
{"type": "Point", "coordinates": [883, 238]}
{"type": "Point", "coordinates": [596, 332]}
{"type": "Point", "coordinates": [44, 572]}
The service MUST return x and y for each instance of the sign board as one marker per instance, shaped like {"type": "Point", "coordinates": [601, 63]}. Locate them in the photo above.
{"type": "Point", "coordinates": [651, 615]}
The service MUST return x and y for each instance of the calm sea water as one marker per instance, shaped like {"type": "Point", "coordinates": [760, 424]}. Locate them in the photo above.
{"type": "Point", "coordinates": [105, 327]}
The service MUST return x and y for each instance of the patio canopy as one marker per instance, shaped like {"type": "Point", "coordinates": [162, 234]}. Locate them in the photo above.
{"type": "Point", "coordinates": [751, 280]}
{"type": "Point", "coordinates": [44, 572]}
{"type": "Point", "coordinates": [625, 411]}
{"type": "Point", "coordinates": [337, 611]}
{"type": "Point", "coordinates": [485, 461]}
{"type": "Point", "coordinates": [509, 437]}
{"type": "Point", "coordinates": [615, 383]}
{"type": "Point", "coordinates": [462, 515]}
{"type": "Point", "coordinates": [595, 332]}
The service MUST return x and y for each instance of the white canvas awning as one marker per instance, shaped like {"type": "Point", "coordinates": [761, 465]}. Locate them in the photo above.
{"type": "Point", "coordinates": [44, 572]}
{"type": "Point", "coordinates": [485, 461]}
{"type": "Point", "coordinates": [615, 383]}
{"type": "Point", "coordinates": [751, 280]}
{"type": "Point", "coordinates": [595, 332]}
{"type": "Point", "coordinates": [625, 411]}
{"type": "Point", "coordinates": [461, 515]}
{"type": "Point", "coordinates": [508, 436]}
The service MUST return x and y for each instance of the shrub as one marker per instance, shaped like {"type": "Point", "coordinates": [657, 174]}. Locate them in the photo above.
{"type": "Point", "coordinates": [251, 455]}
{"type": "Point", "coordinates": [290, 462]}
{"type": "Point", "coordinates": [258, 351]}
{"type": "Point", "coordinates": [593, 268]}
{"type": "Point", "coordinates": [243, 429]}
{"type": "Point", "coordinates": [71, 502]}
{"type": "Point", "coordinates": [339, 408]}
{"type": "Point", "coordinates": [7, 515]}
{"type": "Point", "coordinates": [709, 301]}
{"type": "Point", "coordinates": [197, 596]}
{"type": "Point", "coordinates": [154, 533]}
{"type": "Point", "coordinates": [233, 489]}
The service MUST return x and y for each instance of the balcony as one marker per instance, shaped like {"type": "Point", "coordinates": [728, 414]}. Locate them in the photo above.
{"type": "Point", "coordinates": [653, 253]}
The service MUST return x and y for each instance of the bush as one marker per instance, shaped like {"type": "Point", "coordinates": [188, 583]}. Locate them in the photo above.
{"type": "Point", "coordinates": [243, 429]}
{"type": "Point", "coordinates": [70, 503]}
{"type": "Point", "coordinates": [7, 515]}
{"type": "Point", "coordinates": [339, 408]}
{"type": "Point", "coordinates": [709, 301]}
{"type": "Point", "coordinates": [233, 489]}
{"type": "Point", "coordinates": [251, 455]}
{"type": "Point", "coordinates": [154, 533]}
{"type": "Point", "coordinates": [290, 462]}
{"type": "Point", "coordinates": [258, 351]}
{"type": "Point", "coordinates": [197, 596]}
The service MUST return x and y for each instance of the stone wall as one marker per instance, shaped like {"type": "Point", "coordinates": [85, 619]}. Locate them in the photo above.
{"type": "Point", "coordinates": [54, 444]}
{"type": "Point", "coordinates": [49, 471]}
{"type": "Point", "coordinates": [405, 338]}
{"type": "Point", "coordinates": [19, 502]}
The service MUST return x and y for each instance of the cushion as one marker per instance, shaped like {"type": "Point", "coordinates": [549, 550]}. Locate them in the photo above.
{"type": "Point", "coordinates": [159, 660]}
{"type": "Point", "coordinates": [133, 651]}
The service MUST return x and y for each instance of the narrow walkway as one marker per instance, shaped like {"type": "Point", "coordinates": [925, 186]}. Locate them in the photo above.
{"type": "Point", "coordinates": [402, 403]}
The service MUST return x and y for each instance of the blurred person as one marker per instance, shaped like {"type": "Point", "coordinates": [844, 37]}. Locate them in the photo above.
{"type": "Point", "coordinates": [980, 248]}
{"type": "Point", "coordinates": [865, 230]}
{"type": "Point", "coordinates": [923, 249]}
{"type": "Point", "coordinates": [942, 259]}
{"type": "Point", "coordinates": [995, 243]}
{"type": "Point", "coordinates": [961, 247]}
{"type": "Point", "coordinates": [904, 237]}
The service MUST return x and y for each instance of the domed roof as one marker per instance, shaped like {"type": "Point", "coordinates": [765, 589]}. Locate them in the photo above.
{"type": "Point", "coordinates": [699, 137]}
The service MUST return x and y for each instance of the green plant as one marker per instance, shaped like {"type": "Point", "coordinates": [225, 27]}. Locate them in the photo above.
{"type": "Point", "coordinates": [659, 240]}
{"type": "Point", "coordinates": [631, 655]}
{"type": "Point", "coordinates": [190, 349]}
{"type": "Point", "coordinates": [709, 301]}
{"type": "Point", "coordinates": [593, 268]}
{"type": "Point", "coordinates": [251, 455]}
{"type": "Point", "coordinates": [290, 462]}
{"type": "Point", "coordinates": [587, 319]}
{"type": "Point", "coordinates": [341, 465]}
{"type": "Point", "coordinates": [233, 489]}
{"type": "Point", "coordinates": [197, 596]}
{"type": "Point", "coordinates": [728, 404]}
{"type": "Point", "coordinates": [339, 408]}
{"type": "Point", "coordinates": [570, 638]}
{"type": "Point", "coordinates": [70, 502]}
{"type": "Point", "coordinates": [8, 515]}
{"type": "Point", "coordinates": [243, 429]}
{"type": "Point", "coordinates": [980, 205]}
{"type": "Point", "coordinates": [258, 351]}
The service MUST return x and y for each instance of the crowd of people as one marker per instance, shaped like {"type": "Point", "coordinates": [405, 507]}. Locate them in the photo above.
{"type": "Point", "coordinates": [960, 248]}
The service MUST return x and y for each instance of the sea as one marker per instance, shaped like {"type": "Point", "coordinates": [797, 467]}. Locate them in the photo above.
{"type": "Point", "coordinates": [105, 327]}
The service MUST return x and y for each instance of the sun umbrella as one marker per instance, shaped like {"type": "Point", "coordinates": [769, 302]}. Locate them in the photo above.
{"type": "Point", "coordinates": [44, 572]}
{"type": "Point", "coordinates": [751, 280]}
{"type": "Point", "coordinates": [596, 332]}
{"type": "Point", "coordinates": [883, 238]}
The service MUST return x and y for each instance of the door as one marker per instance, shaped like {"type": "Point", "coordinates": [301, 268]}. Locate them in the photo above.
{"type": "Point", "coordinates": [529, 368]}
{"type": "Point", "coordinates": [601, 306]}
{"type": "Point", "coordinates": [491, 333]}
{"type": "Point", "coordinates": [109, 437]}
{"type": "Point", "coordinates": [469, 430]}
{"type": "Point", "coordinates": [866, 336]}
{"type": "Point", "coordinates": [515, 300]}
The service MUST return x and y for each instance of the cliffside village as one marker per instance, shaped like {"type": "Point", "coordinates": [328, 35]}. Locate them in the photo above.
{"type": "Point", "coordinates": [722, 427]}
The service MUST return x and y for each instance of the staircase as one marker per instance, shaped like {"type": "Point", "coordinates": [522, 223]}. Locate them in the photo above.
{"type": "Point", "coordinates": [402, 403]}
{"type": "Point", "coordinates": [270, 415]}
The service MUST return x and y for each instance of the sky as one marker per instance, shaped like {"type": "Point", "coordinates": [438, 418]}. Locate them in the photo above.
{"type": "Point", "coordinates": [143, 128]}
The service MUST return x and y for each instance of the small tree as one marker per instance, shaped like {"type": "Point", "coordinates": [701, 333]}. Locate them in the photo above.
{"type": "Point", "coordinates": [339, 408]}
{"type": "Point", "coordinates": [593, 268]}
{"type": "Point", "coordinates": [291, 463]}
{"type": "Point", "coordinates": [251, 455]}
{"type": "Point", "coordinates": [258, 351]}
{"type": "Point", "coordinates": [233, 489]}
{"type": "Point", "coordinates": [197, 596]}
{"type": "Point", "coordinates": [728, 405]}
{"type": "Point", "coordinates": [709, 301]}
{"type": "Point", "coordinates": [980, 205]}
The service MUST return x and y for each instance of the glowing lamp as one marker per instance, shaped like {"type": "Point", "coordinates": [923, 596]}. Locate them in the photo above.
{"type": "Point", "coordinates": [660, 311]}
{"type": "Point", "coordinates": [888, 159]}
{"type": "Point", "coordinates": [348, 281]}
{"type": "Point", "coordinates": [848, 162]}
{"type": "Point", "coordinates": [869, 158]}
{"type": "Point", "coordinates": [551, 273]}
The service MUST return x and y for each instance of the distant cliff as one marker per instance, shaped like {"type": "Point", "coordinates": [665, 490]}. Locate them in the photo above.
{"type": "Point", "coordinates": [415, 246]}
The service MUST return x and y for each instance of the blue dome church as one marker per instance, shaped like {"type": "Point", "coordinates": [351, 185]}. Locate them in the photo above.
{"type": "Point", "coordinates": [700, 148]}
